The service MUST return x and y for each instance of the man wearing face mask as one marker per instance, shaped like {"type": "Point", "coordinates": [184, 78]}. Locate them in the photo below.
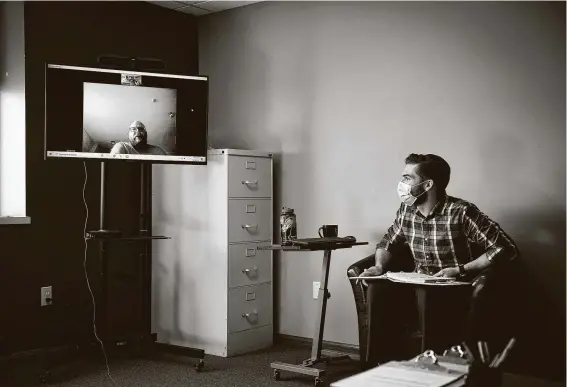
{"type": "Point", "coordinates": [440, 230]}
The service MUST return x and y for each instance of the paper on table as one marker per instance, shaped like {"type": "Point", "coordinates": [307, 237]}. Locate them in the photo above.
{"type": "Point", "coordinates": [412, 278]}
{"type": "Point", "coordinates": [373, 277]}
{"type": "Point", "coordinates": [407, 277]}
{"type": "Point", "coordinates": [398, 376]}
{"type": "Point", "coordinates": [416, 278]}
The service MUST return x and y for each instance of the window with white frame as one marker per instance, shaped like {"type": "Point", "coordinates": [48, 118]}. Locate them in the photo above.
{"type": "Point", "coordinates": [12, 115]}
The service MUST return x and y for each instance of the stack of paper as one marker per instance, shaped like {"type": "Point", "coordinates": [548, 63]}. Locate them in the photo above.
{"type": "Point", "coordinates": [412, 278]}
{"type": "Point", "coordinates": [394, 375]}
{"type": "Point", "coordinates": [416, 278]}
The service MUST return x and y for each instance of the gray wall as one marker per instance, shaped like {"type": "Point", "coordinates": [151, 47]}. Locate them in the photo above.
{"type": "Point", "coordinates": [342, 92]}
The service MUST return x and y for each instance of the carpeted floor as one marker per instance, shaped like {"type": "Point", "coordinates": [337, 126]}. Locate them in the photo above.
{"type": "Point", "coordinates": [250, 370]}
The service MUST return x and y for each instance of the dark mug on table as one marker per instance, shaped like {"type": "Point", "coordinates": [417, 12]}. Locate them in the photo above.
{"type": "Point", "coordinates": [329, 231]}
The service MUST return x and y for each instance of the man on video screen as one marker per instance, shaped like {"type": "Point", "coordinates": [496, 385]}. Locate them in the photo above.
{"type": "Point", "coordinates": [137, 144]}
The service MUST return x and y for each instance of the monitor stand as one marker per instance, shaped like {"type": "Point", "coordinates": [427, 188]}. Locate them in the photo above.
{"type": "Point", "coordinates": [146, 339]}
{"type": "Point", "coordinates": [103, 234]}
{"type": "Point", "coordinates": [143, 341]}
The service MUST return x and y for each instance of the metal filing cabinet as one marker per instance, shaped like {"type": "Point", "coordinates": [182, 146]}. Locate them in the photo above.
{"type": "Point", "coordinates": [249, 224]}
{"type": "Point", "coordinates": [223, 283]}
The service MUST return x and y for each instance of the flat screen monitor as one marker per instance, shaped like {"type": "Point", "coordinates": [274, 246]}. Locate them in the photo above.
{"type": "Point", "coordinates": [97, 113]}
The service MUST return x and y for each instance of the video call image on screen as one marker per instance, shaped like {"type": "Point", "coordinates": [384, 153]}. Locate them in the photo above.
{"type": "Point", "coordinates": [107, 114]}
{"type": "Point", "coordinates": [129, 120]}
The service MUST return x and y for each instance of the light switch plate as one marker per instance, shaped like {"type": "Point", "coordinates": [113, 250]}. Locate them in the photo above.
{"type": "Point", "coordinates": [316, 286]}
{"type": "Point", "coordinates": [46, 293]}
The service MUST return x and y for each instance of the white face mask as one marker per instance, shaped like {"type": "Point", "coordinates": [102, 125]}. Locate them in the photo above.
{"type": "Point", "coordinates": [405, 195]}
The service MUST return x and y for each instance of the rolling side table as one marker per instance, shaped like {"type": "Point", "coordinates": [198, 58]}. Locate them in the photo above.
{"type": "Point", "coordinates": [318, 356]}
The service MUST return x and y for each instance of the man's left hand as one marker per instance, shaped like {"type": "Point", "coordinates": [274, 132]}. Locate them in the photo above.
{"type": "Point", "coordinates": [448, 272]}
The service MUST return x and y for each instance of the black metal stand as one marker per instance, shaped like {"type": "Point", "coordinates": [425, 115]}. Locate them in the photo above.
{"type": "Point", "coordinates": [146, 339]}
{"type": "Point", "coordinates": [318, 355]}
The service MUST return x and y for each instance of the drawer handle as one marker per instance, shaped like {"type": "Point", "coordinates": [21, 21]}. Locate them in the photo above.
{"type": "Point", "coordinates": [247, 226]}
{"type": "Point", "coordinates": [250, 182]}
{"type": "Point", "coordinates": [247, 315]}
{"type": "Point", "coordinates": [250, 252]}
{"type": "Point", "coordinates": [250, 165]}
{"type": "Point", "coordinates": [247, 271]}
{"type": "Point", "coordinates": [251, 296]}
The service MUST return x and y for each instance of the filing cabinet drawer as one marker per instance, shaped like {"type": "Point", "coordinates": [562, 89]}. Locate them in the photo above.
{"type": "Point", "coordinates": [250, 340]}
{"type": "Point", "coordinates": [249, 307]}
{"type": "Point", "coordinates": [249, 177]}
{"type": "Point", "coordinates": [247, 265]}
{"type": "Point", "coordinates": [249, 220]}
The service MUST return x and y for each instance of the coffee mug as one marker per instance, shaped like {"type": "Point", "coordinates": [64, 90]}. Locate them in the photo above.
{"type": "Point", "coordinates": [328, 231]}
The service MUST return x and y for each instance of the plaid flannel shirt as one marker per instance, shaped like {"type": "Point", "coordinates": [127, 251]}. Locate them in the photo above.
{"type": "Point", "coordinates": [445, 237]}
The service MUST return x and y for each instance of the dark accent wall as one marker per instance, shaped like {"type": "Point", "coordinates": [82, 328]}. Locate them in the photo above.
{"type": "Point", "coordinates": [51, 250]}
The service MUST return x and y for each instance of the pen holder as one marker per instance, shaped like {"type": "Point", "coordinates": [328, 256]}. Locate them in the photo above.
{"type": "Point", "coordinates": [481, 375]}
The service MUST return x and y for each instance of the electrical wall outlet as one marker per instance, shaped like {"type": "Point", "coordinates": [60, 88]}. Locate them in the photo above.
{"type": "Point", "coordinates": [46, 295]}
{"type": "Point", "coordinates": [316, 286]}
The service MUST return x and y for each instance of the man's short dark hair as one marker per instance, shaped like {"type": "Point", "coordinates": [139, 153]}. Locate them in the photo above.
{"type": "Point", "coordinates": [431, 167]}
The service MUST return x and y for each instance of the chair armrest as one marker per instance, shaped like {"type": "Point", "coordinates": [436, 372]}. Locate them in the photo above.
{"type": "Point", "coordinates": [403, 261]}
{"type": "Point", "coordinates": [479, 284]}
{"type": "Point", "coordinates": [485, 281]}
{"type": "Point", "coordinates": [357, 268]}
{"type": "Point", "coordinates": [359, 291]}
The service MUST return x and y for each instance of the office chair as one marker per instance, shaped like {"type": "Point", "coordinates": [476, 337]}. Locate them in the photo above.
{"type": "Point", "coordinates": [404, 262]}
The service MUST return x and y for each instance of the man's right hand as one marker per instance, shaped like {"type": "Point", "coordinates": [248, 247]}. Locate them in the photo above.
{"type": "Point", "coordinates": [372, 272]}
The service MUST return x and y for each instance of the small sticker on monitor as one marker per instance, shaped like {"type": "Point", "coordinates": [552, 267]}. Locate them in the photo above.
{"type": "Point", "coordinates": [131, 80]}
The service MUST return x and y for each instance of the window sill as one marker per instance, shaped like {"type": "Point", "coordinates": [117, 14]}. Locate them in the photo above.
{"type": "Point", "coordinates": [8, 220]}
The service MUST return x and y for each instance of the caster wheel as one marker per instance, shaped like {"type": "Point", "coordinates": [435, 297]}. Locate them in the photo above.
{"type": "Point", "coordinates": [277, 374]}
{"type": "Point", "coordinates": [45, 377]}
{"type": "Point", "coordinates": [199, 365]}
{"type": "Point", "coordinates": [318, 382]}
